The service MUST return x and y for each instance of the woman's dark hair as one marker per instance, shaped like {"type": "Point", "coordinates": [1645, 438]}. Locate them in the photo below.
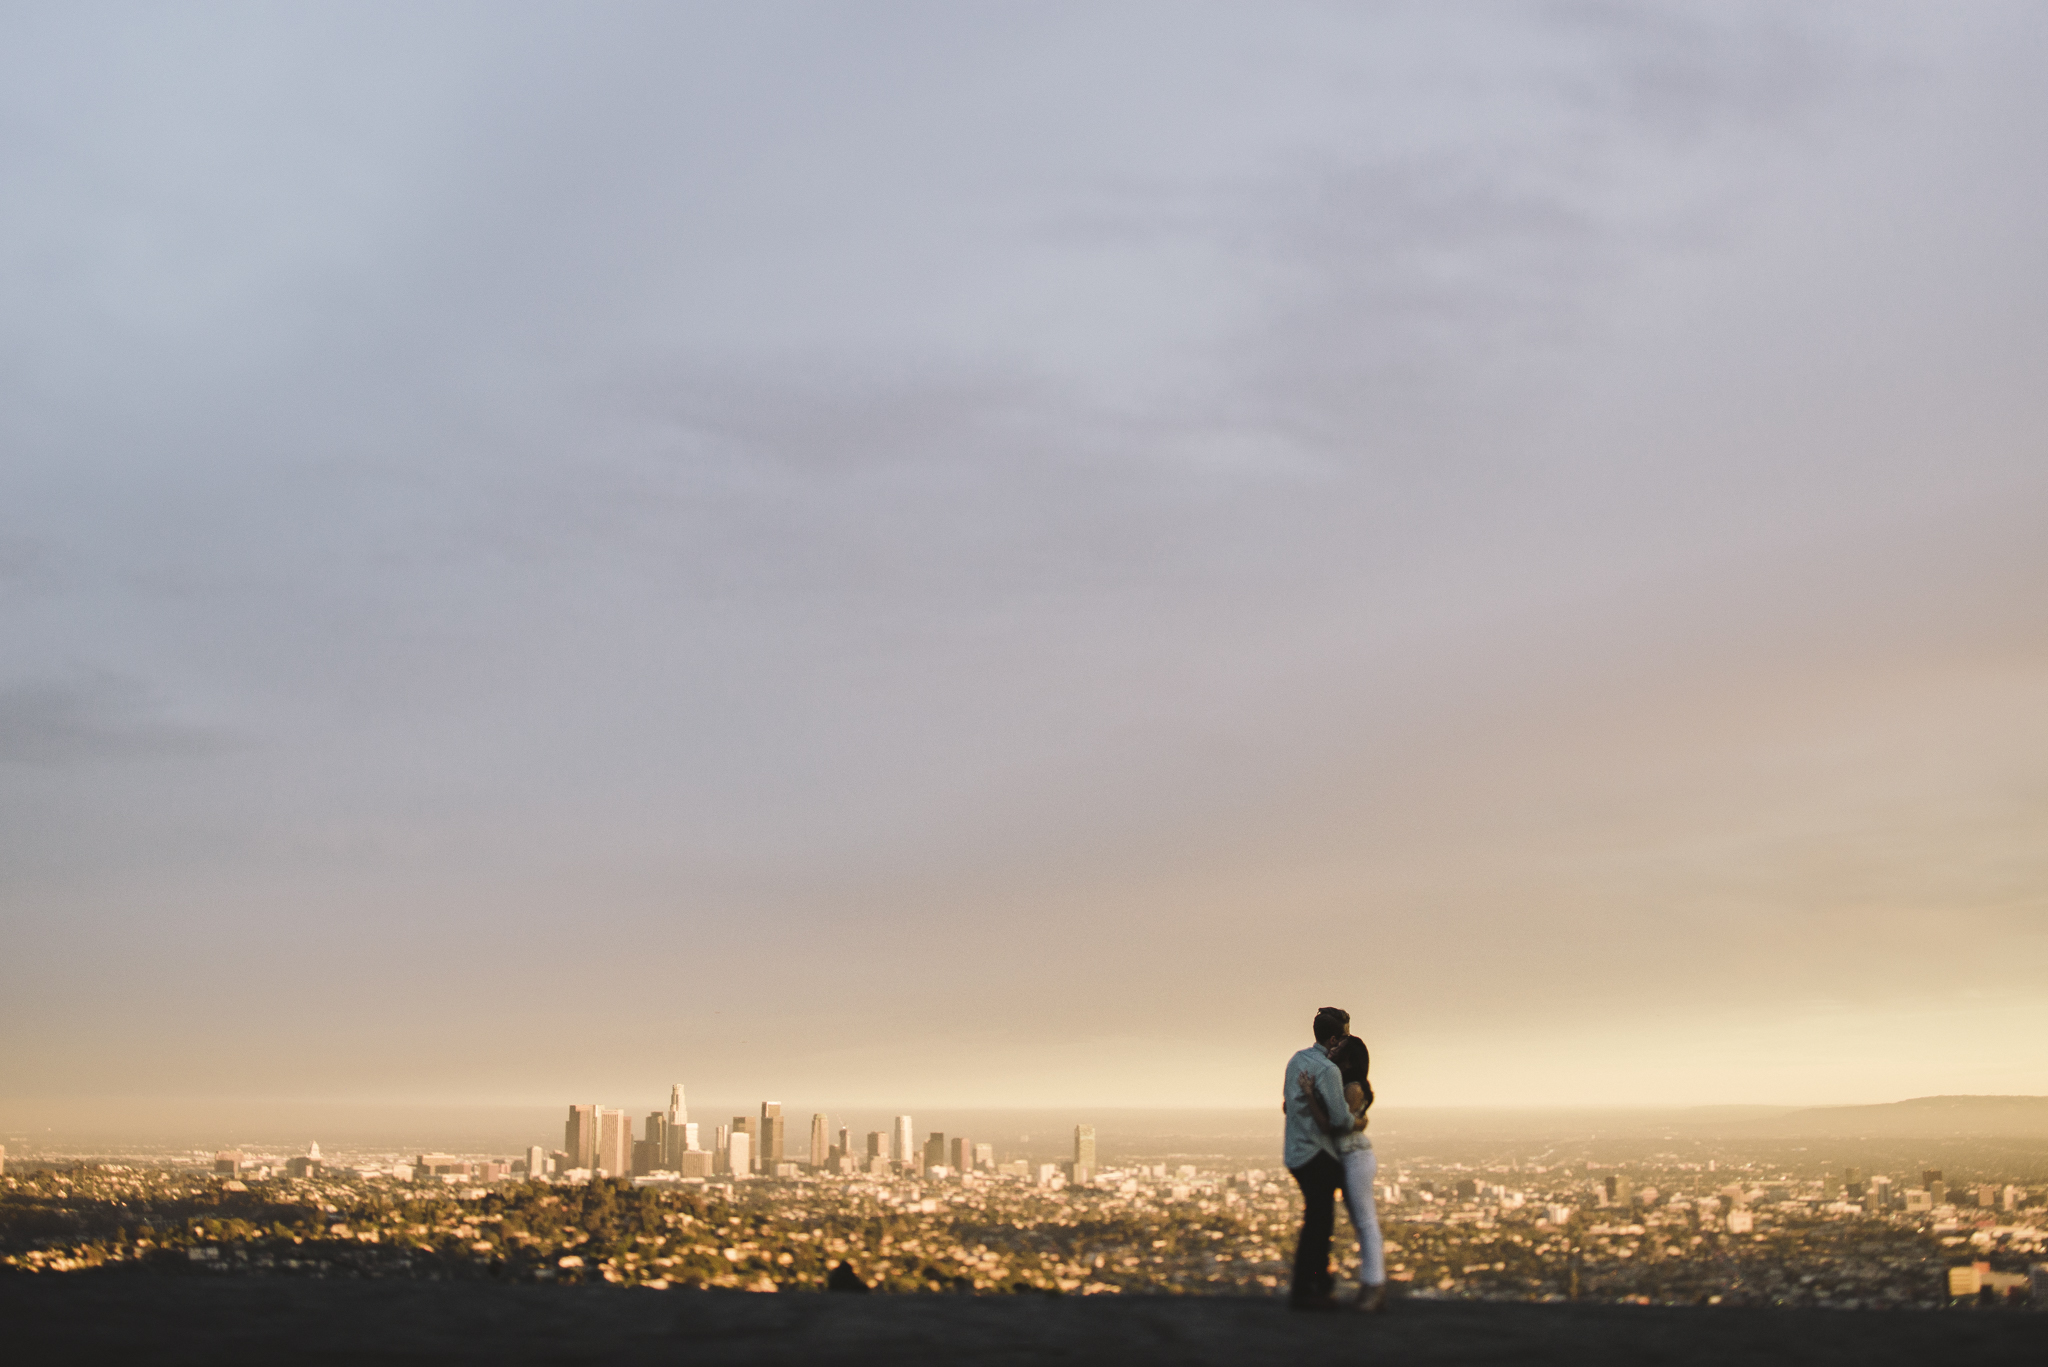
{"type": "Point", "coordinates": [1354, 1062]}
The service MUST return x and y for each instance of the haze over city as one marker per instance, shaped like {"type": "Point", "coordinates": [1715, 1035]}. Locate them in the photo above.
{"type": "Point", "coordinates": [917, 558]}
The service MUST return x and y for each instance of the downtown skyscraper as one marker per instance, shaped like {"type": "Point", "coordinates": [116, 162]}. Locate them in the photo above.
{"type": "Point", "coordinates": [614, 1156]}
{"type": "Point", "coordinates": [579, 1137]}
{"type": "Point", "coordinates": [679, 1134]}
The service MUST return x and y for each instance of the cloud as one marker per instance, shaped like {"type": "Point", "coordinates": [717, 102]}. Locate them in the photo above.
{"type": "Point", "coordinates": [95, 717]}
{"type": "Point", "coordinates": [953, 506]}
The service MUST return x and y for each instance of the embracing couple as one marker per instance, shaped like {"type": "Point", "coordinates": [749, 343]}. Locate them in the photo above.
{"type": "Point", "coordinates": [1325, 1097]}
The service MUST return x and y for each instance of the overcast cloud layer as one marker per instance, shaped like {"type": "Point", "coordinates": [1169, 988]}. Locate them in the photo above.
{"type": "Point", "coordinates": [1003, 555]}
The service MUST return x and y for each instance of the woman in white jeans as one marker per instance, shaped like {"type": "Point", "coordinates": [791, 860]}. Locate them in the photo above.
{"type": "Point", "coordinates": [1361, 1166]}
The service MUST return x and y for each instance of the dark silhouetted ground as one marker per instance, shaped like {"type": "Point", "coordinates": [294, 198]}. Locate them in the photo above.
{"type": "Point", "coordinates": [224, 1321]}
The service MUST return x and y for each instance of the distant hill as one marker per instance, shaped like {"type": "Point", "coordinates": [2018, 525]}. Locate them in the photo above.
{"type": "Point", "coordinates": [1973, 1117]}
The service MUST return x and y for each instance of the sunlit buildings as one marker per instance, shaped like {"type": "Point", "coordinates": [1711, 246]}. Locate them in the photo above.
{"type": "Point", "coordinates": [678, 1135]}
{"type": "Point", "coordinates": [771, 1146]}
{"type": "Point", "coordinates": [579, 1136]}
{"type": "Point", "coordinates": [747, 1161]}
{"type": "Point", "coordinates": [651, 1152]}
{"type": "Point", "coordinates": [432, 1165]}
{"type": "Point", "coordinates": [614, 1155]}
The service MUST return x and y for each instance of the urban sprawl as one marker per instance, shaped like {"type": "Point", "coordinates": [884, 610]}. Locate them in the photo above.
{"type": "Point", "coordinates": [668, 1210]}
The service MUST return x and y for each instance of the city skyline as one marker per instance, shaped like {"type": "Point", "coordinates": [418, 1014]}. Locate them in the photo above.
{"type": "Point", "coordinates": [1063, 539]}
{"type": "Point", "coordinates": [1701, 1216]}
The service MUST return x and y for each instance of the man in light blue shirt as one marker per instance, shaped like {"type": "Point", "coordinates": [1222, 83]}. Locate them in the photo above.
{"type": "Point", "coordinates": [1311, 1155]}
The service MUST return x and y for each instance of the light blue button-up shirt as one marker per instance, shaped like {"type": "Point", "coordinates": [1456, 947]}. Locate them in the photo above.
{"type": "Point", "coordinates": [1306, 1136]}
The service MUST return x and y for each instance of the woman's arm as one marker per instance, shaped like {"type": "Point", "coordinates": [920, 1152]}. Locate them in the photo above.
{"type": "Point", "coordinates": [1321, 1112]}
{"type": "Point", "coordinates": [1359, 1100]}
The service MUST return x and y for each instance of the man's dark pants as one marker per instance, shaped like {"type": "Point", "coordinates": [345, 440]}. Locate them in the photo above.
{"type": "Point", "coordinates": [1319, 1179]}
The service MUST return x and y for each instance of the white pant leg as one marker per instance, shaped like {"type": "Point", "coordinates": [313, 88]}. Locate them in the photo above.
{"type": "Point", "coordinates": [1360, 1168]}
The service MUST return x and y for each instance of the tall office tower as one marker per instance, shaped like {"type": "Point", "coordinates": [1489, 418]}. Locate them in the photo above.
{"type": "Point", "coordinates": [1084, 1147]}
{"type": "Point", "coordinates": [536, 1162]}
{"type": "Point", "coordinates": [771, 1136]}
{"type": "Point", "coordinates": [690, 1144]}
{"type": "Point", "coordinates": [878, 1144]}
{"type": "Point", "coordinates": [1880, 1193]}
{"type": "Point", "coordinates": [614, 1142]}
{"type": "Point", "coordinates": [962, 1155]}
{"type": "Point", "coordinates": [934, 1150]}
{"type": "Point", "coordinates": [845, 1142]}
{"type": "Point", "coordinates": [739, 1158]}
{"type": "Point", "coordinates": [1937, 1191]}
{"type": "Point", "coordinates": [820, 1144]}
{"type": "Point", "coordinates": [742, 1124]}
{"type": "Point", "coordinates": [658, 1150]}
{"type": "Point", "coordinates": [1830, 1185]}
{"type": "Point", "coordinates": [906, 1141]}
{"type": "Point", "coordinates": [1929, 1176]}
{"type": "Point", "coordinates": [721, 1143]}
{"type": "Point", "coordinates": [579, 1137]}
{"type": "Point", "coordinates": [675, 1140]}
{"type": "Point", "coordinates": [984, 1156]}
{"type": "Point", "coordinates": [1852, 1183]}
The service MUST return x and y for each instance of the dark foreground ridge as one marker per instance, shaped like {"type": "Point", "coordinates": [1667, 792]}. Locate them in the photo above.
{"type": "Point", "coordinates": [227, 1322]}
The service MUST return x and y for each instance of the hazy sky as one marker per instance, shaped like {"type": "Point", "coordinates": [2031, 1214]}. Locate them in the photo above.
{"type": "Point", "coordinates": [1002, 555]}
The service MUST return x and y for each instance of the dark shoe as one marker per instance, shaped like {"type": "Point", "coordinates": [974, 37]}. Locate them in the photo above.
{"type": "Point", "coordinates": [1372, 1300]}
